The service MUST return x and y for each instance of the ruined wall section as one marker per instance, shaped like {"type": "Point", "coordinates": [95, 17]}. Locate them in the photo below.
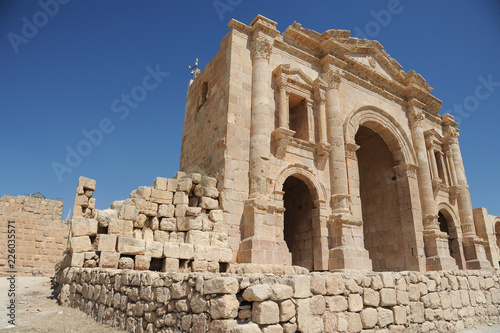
{"type": "Point", "coordinates": [175, 225]}
{"type": "Point", "coordinates": [487, 229]}
{"type": "Point", "coordinates": [318, 302]}
{"type": "Point", "coordinates": [40, 235]}
{"type": "Point", "coordinates": [204, 132]}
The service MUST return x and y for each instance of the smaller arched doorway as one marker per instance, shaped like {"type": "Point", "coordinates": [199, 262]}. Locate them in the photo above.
{"type": "Point", "coordinates": [298, 222]}
{"type": "Point", "coordinates": [447, 225]}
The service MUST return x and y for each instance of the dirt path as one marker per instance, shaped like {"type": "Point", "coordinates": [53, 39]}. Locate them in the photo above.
{"type": "Point", "coordinates": [37, 311]}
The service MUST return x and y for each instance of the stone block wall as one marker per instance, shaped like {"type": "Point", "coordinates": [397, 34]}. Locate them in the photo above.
{"type": "Point", "coordinates": [175, 225]}
{"type": "Point", "coordinates": [40, 235]}
{"type": "Point", "coordinates": [319, 302]}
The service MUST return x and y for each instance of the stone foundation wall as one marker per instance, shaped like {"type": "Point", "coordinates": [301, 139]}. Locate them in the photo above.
{"type": "Point", "coordinates": [40, 235]}
{"type": "Point", "coordinates": [317, 302]}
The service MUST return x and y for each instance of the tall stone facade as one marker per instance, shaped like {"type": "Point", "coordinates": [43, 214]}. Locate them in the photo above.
{"type": "Point", "coordinates": [32, 234]}
{"type": "Point", "coordinates": [330, 156]}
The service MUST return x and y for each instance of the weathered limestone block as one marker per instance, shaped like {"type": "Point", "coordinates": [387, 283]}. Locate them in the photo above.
{"type": "Point", "coordinates": [171, 250]}
{"type": "Point", "coordinates": [225, 255]}
{"type": "Point", "coordinates": [126, 263]}
{"type": "Point", "coordinates": [198, 252]}
{"type": "Point", "coordinates": [128, 212]}
{"type": "Point", "coordinates": [77, 259]}
{"type": "Point", "coordinates": [198, 237]}
{"type": "Point", "coordinates": [225, 307]}
{"type": "Point", "coordinates": [170, 265]}
{"type": "Point", "coordinates": [281, 292]}
{"type": "Point", "coordinates": [417, 312]}
{"type": "Point", "coordinates": [246, 328]}
{"type": "Point", "coordinates": [180, 210]}
{"type": "Point", "coordinates": [84, 227]}
{"type": "Point", "coordinates": [355, 302]}
{"type": "Point", "coordinates": [209, 203]}
{"type": "Point", "coordinates": [402, 297]}
{"type": "Point", "coordinates": [211, 192]}
{"type": "Point", "coordinates": [107, 243]}
{"type": "Point", "coordinates": [287, 310]}
{"type": "Point", "coordinates": [121, 228]}
{"type": "Point", "coordinates": [221, 285]}
{"type": "Point", "coordinates": [168, 224]}
{"type": "Point", "coordinates": [128, 245]}
{"type": "Point", "coordinates": [86, 183]}
{"type": "Point", "coordinates": [371, 297]}
{"type": "Point", "coordinates": [147, 235]}
{"type": "Point", "coordinates": [166, 210]}
{"type": "Point", "coordinates": [336, 303]}
{"type": "Point", "coordinates": [193, 211]}
{"type": "Point", "coordinates": [387, 297]}
{"type": "Point", "coordinates": [104, 217]}
{"type": "Point", "coordinates": [80, 244]}
{"type": "Point", "coordinates": [199, 303]}
{"type": "Point", "coordinates": [185, 251]}
{"type": "Point", "coordinates": [160, 183]}
{"type": "Point", "coordinates": [308, 319]}
{"type": "Point", "coordinates": [318, 284]}
{"type": "Point", "coordinates": [334, 284]}
{"type": "Point", "coordinates": [185, 184]}
{"type": "Point", "coordinates": [142, 262]}
{"type": "Point", "coordinates": [81, 200]}
{"type": "Point", "coordinates": [161, 236]}
{"type": "Point", "coordinates": [354, 322]}
{"type": "Point", "coordinates": [216, 215]}
{"type": "Point", "coordinates": [257, 293]}
{"type": "Point", "coordinates": [161, 197]}
{"type": "Point", "coordinates": [399, 315]}
{"type": "Point", "coordinates": [181, 198]}
{"type": "Point", "coordinates": [195, 177]}
{"type": "Point", "coordinates": [301, 285]}
{"type": "Point", "coordinates": [109, 259]}
{"type": "Point", "coordinates": [369, 317]}
{"type": "Point", "coordinates": [265, 313]}
{"type": "Point", "coordinates": [154, 249]}
{"type": "Point", "coordinates": [385, 317]}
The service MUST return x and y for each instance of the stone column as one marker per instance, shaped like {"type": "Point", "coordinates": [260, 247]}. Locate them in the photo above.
{"type": "Point", "coordinates": [346, 233]}
{"type": "Point", "coordinates": [284, 109]}
{"type": "Point", "coordinates": [320, 100]}
{"type": "Point", "coordinates": [474, 252]}
{"type": "Point", "coordinates": [322, 147]}
{"type": "Point", "coordinates": [432, 157]}
{"type": "Point", "coordinates": [259, 130]}
{"type": "Point", "coordinates": [308, 104]}
{"type": "Point", "coordinates": [445, 175]}
{"type": "Point", "coordinates": [263, 241]}
{"type": "Point", "coordinates": [436, 242]}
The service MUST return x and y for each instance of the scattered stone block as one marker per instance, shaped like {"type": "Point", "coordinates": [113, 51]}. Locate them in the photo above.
{"type": "Point", "coordinates": [84, 227]}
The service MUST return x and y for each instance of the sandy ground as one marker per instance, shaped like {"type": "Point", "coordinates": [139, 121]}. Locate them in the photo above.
{"type": "Point", "coordinates": [37, 311]}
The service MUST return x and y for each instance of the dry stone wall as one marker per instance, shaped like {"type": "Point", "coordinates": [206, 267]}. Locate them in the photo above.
{"type": "Point", "coordinates": [39, 234]}
{"type": "Point", "coordinates": [174, 226]}
{"type": "Point", "coordinates": [318, 302]}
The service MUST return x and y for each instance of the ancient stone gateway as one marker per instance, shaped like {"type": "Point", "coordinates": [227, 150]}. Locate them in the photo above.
{"type": "Point", "coordinates": [331, 157]}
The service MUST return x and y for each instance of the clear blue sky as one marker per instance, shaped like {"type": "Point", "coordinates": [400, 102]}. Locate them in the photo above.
{"type": "Point", "coordinates": [64, 77]}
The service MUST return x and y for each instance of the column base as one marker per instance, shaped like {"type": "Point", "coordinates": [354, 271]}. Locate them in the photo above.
{"type": "Point", "coordinates": [475, 255]}
{"type": "Point", "coordinates": [438, 256]}
{"type": "Point", "coordinates": [348, 252]}
{"type": "Point", "coordinates": [258, 250]}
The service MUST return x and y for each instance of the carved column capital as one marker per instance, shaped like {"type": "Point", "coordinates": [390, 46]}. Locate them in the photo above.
{"type": "Point", "coordinates": [451, 135]}
{"type": "Point", "coordinates": [331, 78]}
{"type": "Point", "coordinates": [261, 49]}
{"type": "Point", "coordinates": [416, 116]}
{"type": "Point", "coordinates": [351, 149]}
{"type": "Point", "coordinates": [406, 170]}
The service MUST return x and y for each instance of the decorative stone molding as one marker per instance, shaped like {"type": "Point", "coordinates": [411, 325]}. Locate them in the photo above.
{"type": "Point", "coordinates": [341, 203]}
{"type": "Point", "coordinates": [415, 116]}
{"type": "Point", "coordinates": [261, 49]}
{"type": "Point", "coordinates": [406, 171]}
{"type": "Point", "coordinates": [350, 150]}
{"type": "Point", "coordinates": [322, 154]}
{"type": "Point", "coordinates": [331, 78]}
{"type": "Point", "coordinates": [282, 137]}
{"type": "Point", "coordinates": [454, 193]}
{"type": "Point", "coordinates": [431, 222]}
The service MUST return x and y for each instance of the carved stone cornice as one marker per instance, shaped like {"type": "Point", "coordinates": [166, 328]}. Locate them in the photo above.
{"type": "Point", "coordinates": [261, 49]}
{"type": "Point", "coordinates": [282, 137]}
{"type": "Point", "coordinates": [322, 154]}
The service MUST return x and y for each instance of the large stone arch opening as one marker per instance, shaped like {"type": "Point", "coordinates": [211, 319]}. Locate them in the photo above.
{"type": "Point", "coordinates": [447, 225]}
{"type": "Point", "coordinates": [380, 202]}
{"type": "Point", "coordinates": [298, 222]}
